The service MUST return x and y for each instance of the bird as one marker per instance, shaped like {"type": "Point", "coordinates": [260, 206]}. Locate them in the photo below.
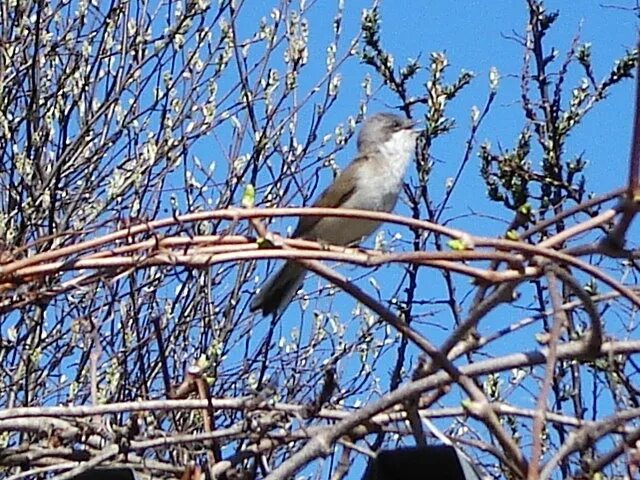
{"type": "Point", "coordinates": [372, 181]}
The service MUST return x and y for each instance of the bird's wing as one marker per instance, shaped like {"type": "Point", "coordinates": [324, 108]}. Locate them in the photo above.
{"type": "Point", "coordinates": [341, 190]}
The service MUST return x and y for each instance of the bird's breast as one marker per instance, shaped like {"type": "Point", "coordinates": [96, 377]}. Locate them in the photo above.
{"type": "Point", "coordinates": [378, 182]}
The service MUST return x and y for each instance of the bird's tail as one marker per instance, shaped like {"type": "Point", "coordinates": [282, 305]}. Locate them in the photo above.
{"type": "Point", "coordinates": [277, 291]}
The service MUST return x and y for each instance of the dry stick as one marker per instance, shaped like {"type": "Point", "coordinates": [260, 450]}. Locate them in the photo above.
{"type": "Point", "coordinates": [575, 230]}
{"type": "Point", "coordinates": [34, 472]}
{"type": "Point", "coordinates": [604, 460]}
{"type": "Point", "coordinates": [94, 357]}
{"type": "Point", "coordinates": [56, 426]}
{"type": "Point", "coordinates": [584, 437]}
{"type": "Point", "coordinates": [232, 433]}
{"type": "Point", "coordinates": [572, 211]}
{"type": "Point", "coordinates": [214, 455]}
{"type": "Point", "coordinates": [34, 297]}
{"type": "Point", "coordinates": [65, 429]}
{"type": "Point", "coordinates": [634, 164]}
{"type": "Point", "coordinates": [560, 319]}
{"type": "Point", "coordinates": [344, 463]}
{"type": "Point", "coordinates": [34, 454]}
{"type": "Point", "coordinates": [167, 243]}
{"type": "Point", "coordinates": [595, 335]}
{"type": "Point", "coordinates": [228, 214]}
{"type": "Point", "coordinates": [113, 408]}
{"type": "Point", "coordinates": [134, 461]}
{"type": "Point", "coordinates": [207, 256]}
{"type": "Point", "coordinates": [275, 439]}
{"type": "Point", "coordinates": [455, 345]}
{"type": "Point", "coordinates": [235, 431]}
{"type": "Point", "coordinates": [506, 409]}
{"type": "Point", "coordinates": [194, 382]}
{"type": "Point", "coordinates": [615, 240]}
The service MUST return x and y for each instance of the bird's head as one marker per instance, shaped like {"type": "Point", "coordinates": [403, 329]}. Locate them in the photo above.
{"type": "Point", "coordinates": [384, 127]}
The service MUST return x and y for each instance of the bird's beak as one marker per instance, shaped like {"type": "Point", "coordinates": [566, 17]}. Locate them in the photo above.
{"type": "Point", "coordinates": [411, 124]}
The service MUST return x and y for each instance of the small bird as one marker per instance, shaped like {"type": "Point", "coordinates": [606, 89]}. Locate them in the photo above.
{"type": "Point", "coordinates": [372, 181]}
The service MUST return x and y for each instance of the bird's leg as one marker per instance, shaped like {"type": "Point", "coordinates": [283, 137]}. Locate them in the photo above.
{"type": "Point", "coordinates": [323, 245]}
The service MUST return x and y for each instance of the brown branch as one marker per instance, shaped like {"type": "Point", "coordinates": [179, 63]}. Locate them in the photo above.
{"type": "Point", "coordinates": [107, 454]}
{"type": "Point", "coordinates": [560, 320]}
{"type": "Point", "coordinates": [616, 239]}
{"type": "Point", "coordinates": [585, 436]}
{"type": "Point", "coordinates": [440, 379]}
{"type": "Point", "coordinates": [227, 214]}
{"type": "Point", "coordinates": [320, 444]}
{"type": "Point", "coordinates": [634, 161]}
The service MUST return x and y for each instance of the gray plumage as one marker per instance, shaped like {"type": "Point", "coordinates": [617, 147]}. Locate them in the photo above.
{"type": "Point", "coordinates": [372, 181]}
